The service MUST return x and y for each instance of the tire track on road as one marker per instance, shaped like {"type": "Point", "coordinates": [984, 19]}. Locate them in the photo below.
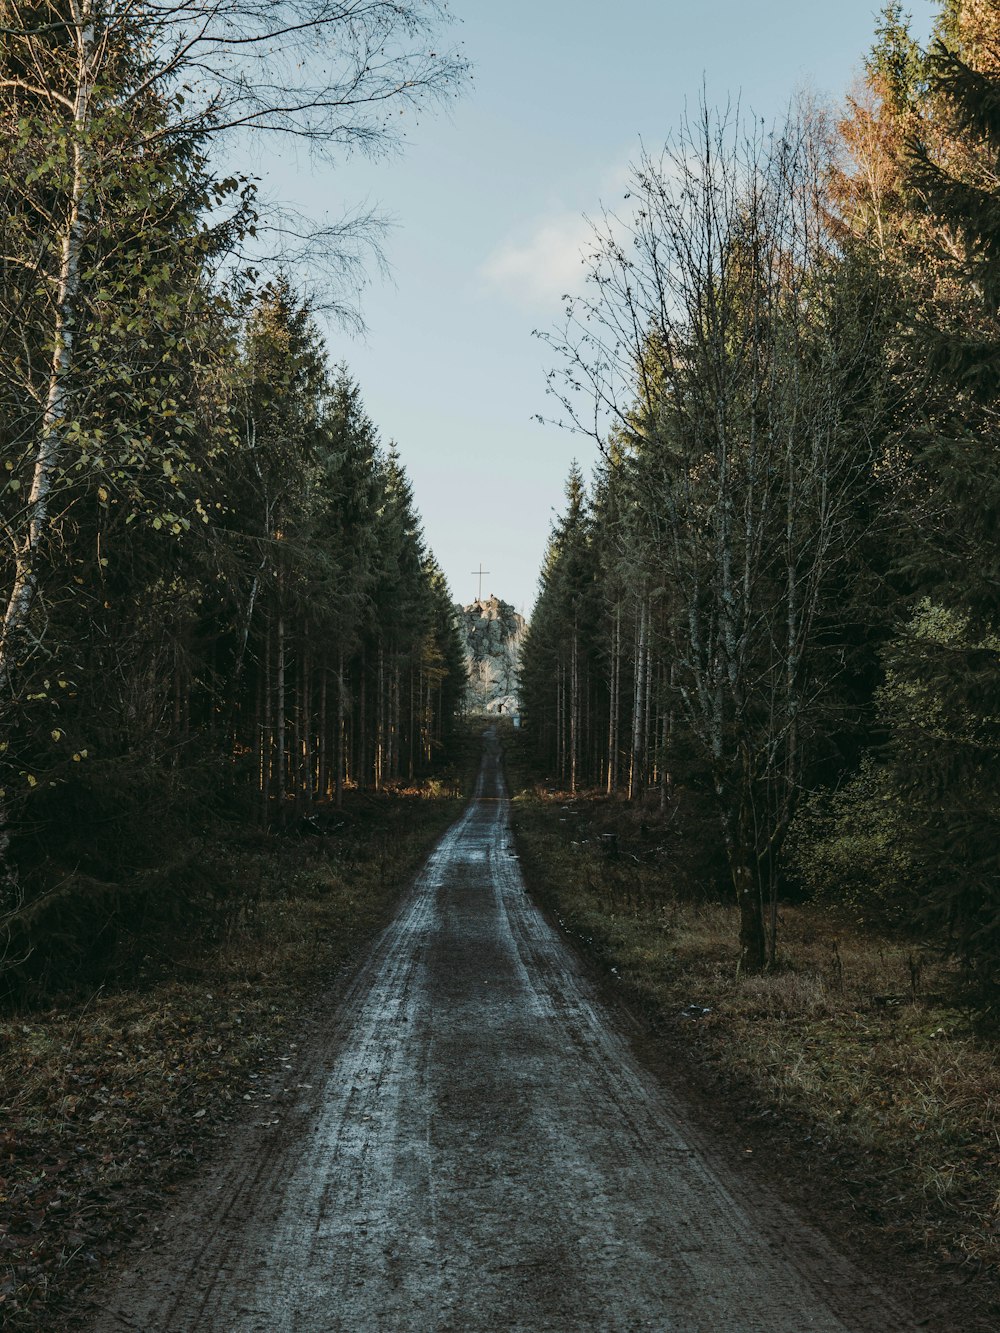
{"type": "Point", "coordinates": [480, 1151]}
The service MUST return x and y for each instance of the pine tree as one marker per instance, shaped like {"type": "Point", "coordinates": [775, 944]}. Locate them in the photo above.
{"type": "Point", "coordinates": [560, 670]}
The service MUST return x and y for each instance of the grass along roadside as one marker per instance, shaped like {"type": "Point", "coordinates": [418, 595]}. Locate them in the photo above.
{"type": "Point", "coordinates": [107, 1102]}
{"type": "Point", "coordinates": [851, 1061]}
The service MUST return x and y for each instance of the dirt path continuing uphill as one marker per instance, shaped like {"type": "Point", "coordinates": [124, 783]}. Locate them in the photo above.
{"type": "Point", "coordinates": [470, 1145]}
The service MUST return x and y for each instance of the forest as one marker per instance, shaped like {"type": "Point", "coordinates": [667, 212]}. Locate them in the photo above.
{"type": "Point", "coordinates": [770, 620]}
{"type": "Point", "coordinates": [661, 991]}
{"type": "Point", "coordinates": [219, 606]}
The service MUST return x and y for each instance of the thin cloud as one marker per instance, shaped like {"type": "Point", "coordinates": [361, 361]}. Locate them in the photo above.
{"type": "Point", "coordinates": [547, 258]}
{"type": "Point", "coordinates": [538, 267]}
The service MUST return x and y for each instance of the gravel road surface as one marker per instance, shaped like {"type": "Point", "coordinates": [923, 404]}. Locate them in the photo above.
{"type": "Point", "coordinates": [469, 1144]}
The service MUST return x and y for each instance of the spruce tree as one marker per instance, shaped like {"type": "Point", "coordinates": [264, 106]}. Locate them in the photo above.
{"type": "Point", "coordinates": [955, 326]}
{"type": "Point", "coordinates": [556, 664]}
{"type": "Point", "coordinates": [944, 669]}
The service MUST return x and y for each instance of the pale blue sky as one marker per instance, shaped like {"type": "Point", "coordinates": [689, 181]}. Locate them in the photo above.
{"type": "Point", "coordinates": [488, 199]}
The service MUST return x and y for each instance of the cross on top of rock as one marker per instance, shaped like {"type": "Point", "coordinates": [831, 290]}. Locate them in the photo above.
{"type": "Point", "coordinates": [480, 572]}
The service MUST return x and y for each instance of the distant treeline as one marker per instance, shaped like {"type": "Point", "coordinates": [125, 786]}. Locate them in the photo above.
{"type": "Point", "coordinates": [778, 603]}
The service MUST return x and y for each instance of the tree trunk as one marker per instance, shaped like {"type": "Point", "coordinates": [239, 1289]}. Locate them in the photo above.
{"type": "Point", "coordinates": [752, 936]}
{"type": "Point", "coordinates": [743, 858]}
{"type": "Point", "coordinates": [668, 731]}
{"type": "Point", "coordinates": [362, 724]}
{"type": "Point", "coordinates": [613, 722]}
{"type": "Point", "coordinates": [380, 719]}
{"type": "Point", "coordinates": [241, 652]}
{"type": "Point", "coordinates": [411, 738]}
{"type": "Point", "coordinates": [574, 707]}
{"type": "Point", "coordinates": [339, 758]}
{"type": "Point", "coordinates": [394, 724]}
{"type": "Point", "coordinates": [648, 729]}
{"type": "Point", "coordinates": [57, 401]}
{"type": "Point", "coordinates": [303, 726]}
{"type": "Point", "coordinates": [639, 701]}
{"type": "Point", "coordinates": [322, 735]}
{"type": "Point", "coordinates": [280, 729]}
{"type": "Point", "coordinates": [267, 733]}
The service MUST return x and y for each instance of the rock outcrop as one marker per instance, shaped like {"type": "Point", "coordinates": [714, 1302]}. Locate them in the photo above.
{"type": "Point", "coordinates": [494, 632]}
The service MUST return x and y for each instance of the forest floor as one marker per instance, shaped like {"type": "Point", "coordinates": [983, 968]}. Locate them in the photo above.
{"type": "Point", "coordinates": [852, 1076]}
{"type": "Point", "coordinates": [845, 1080]}
{"type": "Point", "coordinates": [109, 1103]}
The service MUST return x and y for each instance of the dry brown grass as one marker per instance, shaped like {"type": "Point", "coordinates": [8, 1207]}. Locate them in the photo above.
{"type": "Point", "coordinates": [856, 1043]}
{"type": "Point", "coordinates": [105, 1103]}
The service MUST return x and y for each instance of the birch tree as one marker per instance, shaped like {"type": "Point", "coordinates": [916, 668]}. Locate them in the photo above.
{"type": "Point", "coordinates": [84, 74]}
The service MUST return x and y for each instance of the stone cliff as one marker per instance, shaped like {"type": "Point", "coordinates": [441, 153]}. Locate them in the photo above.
{"type": "Point", "coordinates": [494, 632]}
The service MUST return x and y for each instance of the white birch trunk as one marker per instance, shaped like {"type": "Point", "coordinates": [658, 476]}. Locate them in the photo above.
{"type": "Point", "coordinates": [57, 399]}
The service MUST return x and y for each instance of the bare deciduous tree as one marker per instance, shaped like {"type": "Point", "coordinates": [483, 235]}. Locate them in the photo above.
{"type": "Point", "coordinates": [731, 380]}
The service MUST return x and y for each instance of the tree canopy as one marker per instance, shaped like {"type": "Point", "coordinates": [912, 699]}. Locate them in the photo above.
{"type": "Point", "coordinates": [789, 365]}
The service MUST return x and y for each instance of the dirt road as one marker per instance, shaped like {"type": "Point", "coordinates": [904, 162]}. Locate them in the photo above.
{"type": "Point", "coordinates": [479, 1150]}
